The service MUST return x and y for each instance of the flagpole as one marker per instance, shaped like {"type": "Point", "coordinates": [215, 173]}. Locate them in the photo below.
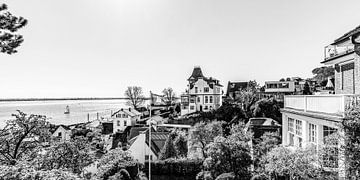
{"type": "Point", "coordinates": [150, 142]}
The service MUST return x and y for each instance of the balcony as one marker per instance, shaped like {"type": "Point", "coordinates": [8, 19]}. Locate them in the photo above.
{"type": "Point", "coordinates": [333, 51]}
{"type": "Point", "coordinates": [334, 105]}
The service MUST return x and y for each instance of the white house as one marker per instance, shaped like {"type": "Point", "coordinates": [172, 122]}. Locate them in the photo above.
{"type": "Point", "coordinates": [139, 145]}
{"type": "Point", "coordinates": [309, 119]}
{"type": "Point", "coordinates": [202, 94]}
{"type": "Point", "coordinates": [123, 118]}
{"type": "Point", "coordinates": [62, 133]}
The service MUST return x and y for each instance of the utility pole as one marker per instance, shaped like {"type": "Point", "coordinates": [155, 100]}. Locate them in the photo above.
{"type": "Point", "coordinates": [150, 143]}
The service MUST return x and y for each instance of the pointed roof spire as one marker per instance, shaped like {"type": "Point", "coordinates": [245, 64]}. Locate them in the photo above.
{"type": "Point", "coordinates": [196, 73]}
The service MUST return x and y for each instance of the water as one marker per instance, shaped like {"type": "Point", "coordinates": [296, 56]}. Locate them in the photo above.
{"type": "Point", "coordinates": [54, 110]}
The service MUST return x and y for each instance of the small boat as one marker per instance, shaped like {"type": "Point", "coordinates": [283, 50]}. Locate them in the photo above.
{"type": "Point", "coordinates": [67, 110]}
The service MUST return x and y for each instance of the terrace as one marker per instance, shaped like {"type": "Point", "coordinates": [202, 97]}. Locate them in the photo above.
{"type": "Point", "coordinates": [333, 105]}
{"type": "Point", "coordinates": [335, 51]}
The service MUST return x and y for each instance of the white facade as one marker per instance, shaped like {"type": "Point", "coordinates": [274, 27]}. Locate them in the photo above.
{"type": "Point", "coordinates": [280, 86]}
{"type": "Point", "coordinates": [139, 149]}
{"type": "Point", "coordinates": [62, 134]}
{"type": "Point", "coordinates": [203, 94]}
{"type": "Point", "coordinates": [124, 118]}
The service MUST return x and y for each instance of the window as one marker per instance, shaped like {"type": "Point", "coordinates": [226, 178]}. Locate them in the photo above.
{"type": "Point", "coordinates": [211, 99]}
{"type": "Point", "coordinates": [198, 99]}
{"type": "Point", "coordinates": [192, 100]}
{"type": "Point", "coordinates": [300, 141]}
{"type": "Point", "coordinates": [118, 123]}
{"type": "Point", "coordinates": [206, 99]}
{"type": "Point", "coordinates": [196, 89]}
{"type": "Point", "coordinates": [192, 107]}
{"type": "Point", "coordinates": [206, 108]}
{"type": "Point", "coordinates": [206, 89]}
{"type": "Point", "coordinates": [291, 139]}
{"type": "Point", "coordinates": [312, 133]}
{"type": "Point", "coordinates": [298, 127]}
{"type": "Point", "coordinates": [125, 123]}
{"type": "Point", "coordinates": [291, 124]}
{"type": "Point", "coordinates": [59, 134]}
{"type": "Point", "coordinates": [328, 131]}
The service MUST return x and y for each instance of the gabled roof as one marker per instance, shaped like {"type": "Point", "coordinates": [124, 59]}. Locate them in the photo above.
{"type": "Point", "coordinates": [135, 131]}
{"type": "Point", "coordinates": [196, 73]}
{"type": "Point", "coordinates": [157, 141]}
{"type": "Point", "coordinates": [130, 112]}
{"type": "Point", "coordinates": [58, 126]}
{"type": "Point", "coordinates": [262, 121]}
{"type": "Point", "coordinates": [347, 35]}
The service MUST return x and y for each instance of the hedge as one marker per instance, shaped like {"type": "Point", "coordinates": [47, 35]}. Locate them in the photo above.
{"type": "Point", "coordinates": [177, 167]}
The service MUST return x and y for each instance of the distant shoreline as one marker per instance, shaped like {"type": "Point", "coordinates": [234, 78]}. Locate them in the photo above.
{"type": "Point", "coordinates": [62, 99]}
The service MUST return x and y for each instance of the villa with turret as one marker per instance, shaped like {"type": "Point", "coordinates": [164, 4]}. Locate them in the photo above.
{"type": "Point", "coordinates": [202, 94]}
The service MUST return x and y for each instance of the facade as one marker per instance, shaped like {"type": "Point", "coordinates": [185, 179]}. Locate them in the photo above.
{"type": "Point", "coordinates": [139, 145]}
{"type": "Point", "coordinates": [62, 133]}
{"type": "Point", "coordinates": [307, 120]}
{"type": "Point", "coordinates": [124, 118]}
{"type": "Point", "coordinates": [203, 93]}
{"type": "Point", "coordinates": [261, 125]}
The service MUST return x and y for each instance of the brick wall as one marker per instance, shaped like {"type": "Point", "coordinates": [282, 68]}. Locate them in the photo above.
{"type": "Point", "coordinates": [344, 77]}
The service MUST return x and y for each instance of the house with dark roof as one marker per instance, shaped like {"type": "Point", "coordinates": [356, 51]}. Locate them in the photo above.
{"type": "Point", "coordinates": [142, 148]}
{"type": "Point", "coordinates": [203, 93]}
{"type": "Point", "coordinates": [261, 125]}
{"type": "Point", "coordinates": [234, 88]}
{"type": "Point", "coordinates": [123, 118]}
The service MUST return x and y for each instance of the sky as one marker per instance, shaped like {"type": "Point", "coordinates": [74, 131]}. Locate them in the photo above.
{"type": "Point", "coordinates": [96, 48]}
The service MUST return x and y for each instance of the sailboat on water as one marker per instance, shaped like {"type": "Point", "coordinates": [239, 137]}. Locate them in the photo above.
{"type": "Point", "coordinates": [67, 110]}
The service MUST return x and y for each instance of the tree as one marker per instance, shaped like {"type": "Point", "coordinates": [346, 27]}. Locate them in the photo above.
{"type": "Point", "coordinates": [351, 127]}
{"type": "Point", "coordinates": [72, 155]}
{"type": "Point", "coordinates": [267, 108]}
{"type": "Point", "coordinates": [306, 90]}
{"type": "Point", "coordinates": [169, 96]}
{"type": "Point", "coordinates": [204, 133]}
{"type": "Point", "coordinates": [295, 164]}
{"type": "Point", "coordinates": [21, 135]}
{"type": "Point", "coordinates": [181, 146]}
{"type": "Point", "coordinates": [135, 96]}
{"type": "Point", "coordinates": [263, 145]}
{"type": "Point", "coordinates": [9, 24]}
{"type": "Point", "coordinates": [168, 151]}
{"type": "Point", "coordinates": [282, 79]}
{"type": "Point", "coordinates": [248, 97]}
{"type": "Point", "coordinates": [321, 74]}
{"type": "Point", "coordinates": [230, 154]}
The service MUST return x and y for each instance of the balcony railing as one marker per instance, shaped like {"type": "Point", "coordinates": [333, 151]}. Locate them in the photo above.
{"type": "Point", "coordinates": [334, 51]}
{"type": "Point", "coordinates": [327, 104]}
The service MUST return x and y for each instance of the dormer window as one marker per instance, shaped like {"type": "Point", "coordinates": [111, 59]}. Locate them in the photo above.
{"type": "Point", "coordinates": [206, 89]}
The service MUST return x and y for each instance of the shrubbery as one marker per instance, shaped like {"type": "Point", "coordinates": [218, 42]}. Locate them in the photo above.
{"type": "Point", "coordinates": [178, 167]}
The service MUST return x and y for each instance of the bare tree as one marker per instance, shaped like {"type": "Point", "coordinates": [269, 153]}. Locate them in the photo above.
{"type": "Point", "coordinates": [135, 96]}
{"type": "Point", "coordinates": [169, 95]}
{"type": "Point", "coordinates": [9, 24]}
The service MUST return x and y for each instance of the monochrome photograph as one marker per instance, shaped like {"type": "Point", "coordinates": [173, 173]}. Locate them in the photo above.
{"type": "Point", "coordinates": [179, 90]}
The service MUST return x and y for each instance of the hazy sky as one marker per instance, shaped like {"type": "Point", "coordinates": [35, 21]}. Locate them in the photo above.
{"type": "Point", "coordinates": [96, 48]}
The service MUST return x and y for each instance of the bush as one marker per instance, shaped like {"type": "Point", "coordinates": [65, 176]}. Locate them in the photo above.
{"type": "Point", "coordinates": [204, 175]}
{"type": "Point", "coordinates": [226, 176]}
{"type": "Point", "coordinates": [178, 167]}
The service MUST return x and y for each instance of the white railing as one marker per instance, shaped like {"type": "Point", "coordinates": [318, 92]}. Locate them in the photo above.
{"type": "Point", "coordinates": [333, 51]}
{"type": "Point", "coordinates": [328, 104]}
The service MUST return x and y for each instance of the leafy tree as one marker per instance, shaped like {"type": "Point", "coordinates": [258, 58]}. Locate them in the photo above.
{"type": "Point", "coordinates": [121, 175]}
{"type": "Point", "coordinates": [306, 90]}
{"type": "Point", "coordinates": [9, 24]}
{"type": "Point", "coordinates": [72, 155]}
{"type": "Point", "coordinates": [248, 97]}
{"type": "Point", "coordinates": [321, 74]}
{"type": "Point", "coordinates": [181, 146]}
{"type": "Point", "coordinates": [135, 96]}
{"type": "Point", "coordinates": [282, 80]}
{"type": "Point", "coordinates": [230, 154]}
{"type": "Point", "coordinates": [295, 164]}
{"type": "Point", "coordinates": [112, 163]}
{"type": "Point", "coordinates": [226, 176]}
{"type": "Point", "coordinates": [267, 108]}
{"type": "Point", "coordinates": [21, 135]}
{"type": "Point", "coordinates": [204, 133]}
{"type": "Point", "coordinates": [169, 95]}
{"type": "Point", "coordinates": [263, 145]}
{"type": "Point", "coordinates": [168, 151]}
{"type": "Point", "coordinates": [351, 127]}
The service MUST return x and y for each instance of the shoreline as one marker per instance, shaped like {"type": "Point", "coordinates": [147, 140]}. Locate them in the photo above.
{"type": "Point", "coordinates": [62, 99]}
